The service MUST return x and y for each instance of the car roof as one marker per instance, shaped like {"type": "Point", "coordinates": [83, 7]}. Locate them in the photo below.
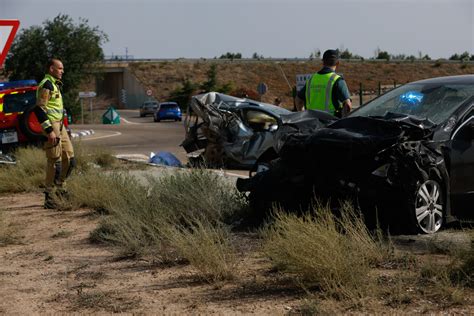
{"type": "Point", "coordinates": [462, 79]}
{"type": "Point", "coordinates": [170, 103]}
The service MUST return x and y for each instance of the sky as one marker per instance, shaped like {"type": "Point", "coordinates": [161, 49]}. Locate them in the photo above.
{"type": "Point", "coordinates": [272, 28]}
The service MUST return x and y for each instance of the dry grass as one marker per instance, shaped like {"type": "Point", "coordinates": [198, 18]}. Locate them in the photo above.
{"type": "Point", "coordinates": [104, 192]}
{"type": "Point", "coordinates": [321, 250]}
{"type": "Point", "coordinates": [102, 301]}
{"type": "Point", "coordinates": [28, 173]}
{"type": "Point", "coordinates": [197, 193]}
{"type": "Point", "coordinates": [90, 158]}
{"type": "Point", "coordinates": [207, 247]}
{"type": "Point", "coordinates": [141, 220]}
{"type": "Point", "coordinates": [8, 231]}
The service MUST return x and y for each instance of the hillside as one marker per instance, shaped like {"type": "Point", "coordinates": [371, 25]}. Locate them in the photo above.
{"type": "Point", "coordinates": [163, 77]}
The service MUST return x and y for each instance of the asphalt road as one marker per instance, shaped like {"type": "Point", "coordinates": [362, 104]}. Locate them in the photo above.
{"type": "Point", "coordinates": [137, 135]}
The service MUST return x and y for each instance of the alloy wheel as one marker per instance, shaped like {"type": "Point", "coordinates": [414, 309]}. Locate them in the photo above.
{"type": "Point", "coordinates": [429, 207]}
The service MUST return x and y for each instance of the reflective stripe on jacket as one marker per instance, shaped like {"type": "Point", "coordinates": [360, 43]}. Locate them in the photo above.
{"type": "Point", "coordinates": [319, 92]}
{"type": "Point", "coordinates": [54, 107]}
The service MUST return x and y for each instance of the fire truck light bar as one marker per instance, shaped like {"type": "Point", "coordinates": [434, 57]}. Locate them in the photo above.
{"type": "Point", "coordinates": [17, 84]}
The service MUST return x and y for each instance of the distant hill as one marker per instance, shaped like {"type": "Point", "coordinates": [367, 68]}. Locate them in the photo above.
{"type": "Point", "coordinates": [163, 77]}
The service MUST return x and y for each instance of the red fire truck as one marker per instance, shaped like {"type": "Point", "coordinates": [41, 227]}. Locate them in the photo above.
{"type": "Point", "coordinates": [18, 122]}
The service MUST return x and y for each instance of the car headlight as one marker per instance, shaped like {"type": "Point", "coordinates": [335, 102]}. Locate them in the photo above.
{"type": "Point", "coordinates": [382, 171]}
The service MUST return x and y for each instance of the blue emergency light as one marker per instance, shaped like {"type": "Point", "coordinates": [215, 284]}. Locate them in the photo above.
{"type": "Point", "coordinates": [17, 84]}
{"type": "Point", "coordinates": [412, 98]}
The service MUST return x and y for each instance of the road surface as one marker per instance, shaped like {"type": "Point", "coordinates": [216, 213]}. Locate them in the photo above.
{"type": "Point", "coordinates": [137, 135]}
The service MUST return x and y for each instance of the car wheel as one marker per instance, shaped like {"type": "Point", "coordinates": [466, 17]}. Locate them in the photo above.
{"type": "Point", "coordinates": [157, 120]}
{"type": "Point", "coordinates": [180, 119]}
{"type": "Point", "coordinates": [154, 119]}
{"type": "Point", "coordinates": [429, 208]}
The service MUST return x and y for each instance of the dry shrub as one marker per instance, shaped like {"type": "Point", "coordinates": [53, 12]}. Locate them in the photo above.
{"type": "Point", "coordinates": [8, 232]}
{"type": "Point", "coordinates": [88, 157]}
{"type": "Point", "coordinates": [322, 250]}
{"type": "Point", "coordinates": [436, 279]}
{"type": "Point", "coordinates": [140, 225]}
{"type": "Point", "coordinates": [104, 192]}
{"type": "Point", "coordinates": [197, 193]}
{"type": "Point", "coordinates": [27, 174]}
{"type": "Point", "coordinates": [207, 247]}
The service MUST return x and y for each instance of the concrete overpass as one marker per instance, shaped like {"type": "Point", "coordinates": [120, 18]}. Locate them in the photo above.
{"type": "Point", "coordinates": [116, 81]}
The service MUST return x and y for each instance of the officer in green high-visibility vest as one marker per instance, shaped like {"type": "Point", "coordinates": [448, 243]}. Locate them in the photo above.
{"type": "Point", "coordinates": [326, 90]}
{"type": "Point", "coordinates": [58, 147]}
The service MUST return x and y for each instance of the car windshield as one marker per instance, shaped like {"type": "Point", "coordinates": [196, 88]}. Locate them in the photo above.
{"type": "Point", "coordinates": [433, 101]}
{"type": "Point", "coordinates": [150, 105]}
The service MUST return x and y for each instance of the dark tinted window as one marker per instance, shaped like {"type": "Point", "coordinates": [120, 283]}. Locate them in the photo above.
{"type": "Point", "coordinates": [168, 106]}
{"type": "Point", "coordinates": [19, 102]}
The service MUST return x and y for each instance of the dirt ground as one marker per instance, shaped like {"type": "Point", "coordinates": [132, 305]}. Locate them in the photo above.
{"type": "Point", "coordinates": [54, 268]}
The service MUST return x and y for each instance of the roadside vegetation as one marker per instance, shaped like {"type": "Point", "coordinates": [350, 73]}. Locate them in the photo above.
{"type": "Point", "coordinates": [8, 231]}
{"type": "Point", "coordinates": [190, 217]}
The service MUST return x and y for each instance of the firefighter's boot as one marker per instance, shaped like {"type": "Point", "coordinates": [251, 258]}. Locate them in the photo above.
{"type": "Point", "coordinates": [49, 201]}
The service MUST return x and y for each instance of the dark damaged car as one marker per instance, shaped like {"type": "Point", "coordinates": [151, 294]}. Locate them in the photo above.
{"type": "Point", "coordinates": [406, 159]}
{"type": "Point", "coordinates": [223, 130]}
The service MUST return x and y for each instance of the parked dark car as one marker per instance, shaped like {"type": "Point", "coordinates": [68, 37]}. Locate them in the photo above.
{"type": "Point", "coordinates": [222, 130]}
{"type": "Point", "coordinates": [148, 107]}
{"type": "Point", "coordinates": [167, 111]}
{"type": "Point", "coordinates": [406, 159]}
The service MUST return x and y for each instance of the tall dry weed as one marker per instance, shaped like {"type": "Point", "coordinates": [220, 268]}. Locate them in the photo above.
{"type": "Point", "coordinates": [27, 174]}
{"type": "Point", "coordinates": [207, 247]}
{"type": "Point", "coordinates": [8, 232]}
{"type": "Point", "coordinates": [319, 249]}
{"type": "Point", "coordinates": [141, 223]}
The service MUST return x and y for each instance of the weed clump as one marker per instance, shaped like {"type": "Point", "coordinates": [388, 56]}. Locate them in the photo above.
{"type": "Point", "coordinates": [8, 232]}
{"type": "Point", "coordinates": [170, 216]}
{"type": "Point", "coordinates": [207, 247]}
{"type": "Point", "coordinates": [321, 250]}
{"type": "Point", "coordinates": [27, 174]}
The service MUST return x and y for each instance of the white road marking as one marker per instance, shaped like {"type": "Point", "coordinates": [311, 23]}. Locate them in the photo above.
{"type": "Point", "coordinates": [104, 136]}
{"type": "Point", "coordinates": [127, 121]}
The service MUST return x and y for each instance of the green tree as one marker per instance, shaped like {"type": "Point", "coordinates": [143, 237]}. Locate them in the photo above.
{"type": "Point", "coordinates": [345, 54]}
{"type": "Point", "coordinates": [211, 83]}
{"type": "Point", "coordinates": [77, 44]}
{"type": "Point", "coordinates": [183, 94]}
{"type": "Point", "coordinates": [383, 55]}
{"type": "Point", "coordinates": [230, 55]}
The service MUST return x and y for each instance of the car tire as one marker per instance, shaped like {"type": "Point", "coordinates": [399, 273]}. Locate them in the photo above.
{"type": "Point", "coordinates": [157, 120]}
{"type": "Point", "coordinates": [180, 119]}
{"type": "Point", "coordinates": [427, 207]}
{"type": "Point", "coordinates": [30, 126]}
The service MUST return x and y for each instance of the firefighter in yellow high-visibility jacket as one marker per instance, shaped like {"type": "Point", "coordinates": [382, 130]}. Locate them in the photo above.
{"type": "Point", "coordinates": [58, 146]}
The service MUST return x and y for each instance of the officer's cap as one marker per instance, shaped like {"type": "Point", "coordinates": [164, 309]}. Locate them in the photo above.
{"type": "Point", "coordinates": [331, 54]}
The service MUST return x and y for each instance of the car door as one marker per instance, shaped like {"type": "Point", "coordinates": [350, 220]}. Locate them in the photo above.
{"type": "Point", "coordinates": [462, 167]}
